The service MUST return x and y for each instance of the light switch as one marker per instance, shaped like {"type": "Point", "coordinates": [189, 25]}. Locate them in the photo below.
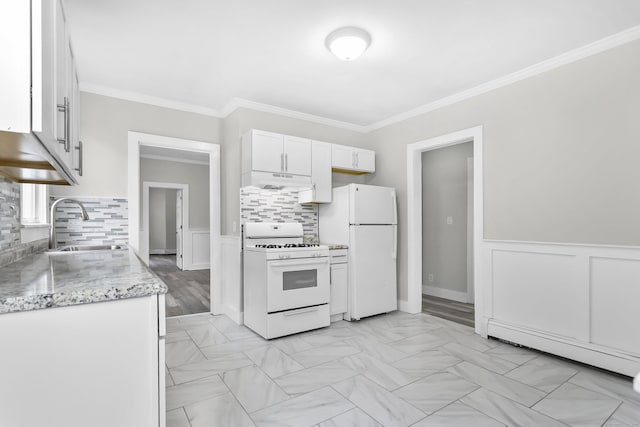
{"type": "Point", "coordinates": [449, 220]}
{"type": "Point", "coordinates": [235, 226]}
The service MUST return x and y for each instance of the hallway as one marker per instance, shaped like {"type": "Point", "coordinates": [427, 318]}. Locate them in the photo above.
{"type": "Point", "coordinates": [188, 290]}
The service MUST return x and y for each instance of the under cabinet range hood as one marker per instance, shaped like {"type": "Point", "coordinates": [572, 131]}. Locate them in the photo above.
{"type": "Point", "coordinates": [275, 180]}
{"type": "Point", "coordinates": [23, 158]}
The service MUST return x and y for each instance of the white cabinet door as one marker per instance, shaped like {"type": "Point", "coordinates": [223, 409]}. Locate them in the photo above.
{"type": "Point", "coordinates": [342, 157]}
{"type": "Point", "coordinates": [320, 191]}
{"type": "Point", "coordinates": [78, 362]}
{"type": "Point", "coordinates": [15, 76]}
{"type": "Point", "coordinates": [339, 288]}
{"type": "Point", "coordinates": [43, 104]}
{"type": "Point", "coordinates": [266, 152]}
{"type": "Point", "coordinates": [365, 160]}
{"type": "Point", "coordinates": [297, 155]}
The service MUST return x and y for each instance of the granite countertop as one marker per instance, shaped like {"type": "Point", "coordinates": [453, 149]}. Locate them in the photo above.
{"type": "Point", "coordinates": [58, 279]}
{"type": "Point", "coordinates": [336, 246]}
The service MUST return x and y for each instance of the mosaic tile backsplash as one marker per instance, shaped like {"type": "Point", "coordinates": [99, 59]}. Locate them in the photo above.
{"type": "Point", "coordinates": [264, 205]}
{"type": "Point", "coordinates": [107, 224]}
{"type": "Point", "coordinates": [9, 214]}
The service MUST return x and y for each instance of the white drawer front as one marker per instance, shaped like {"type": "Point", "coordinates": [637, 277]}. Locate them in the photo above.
{"type": "Point", "coordinates": [294, 321]}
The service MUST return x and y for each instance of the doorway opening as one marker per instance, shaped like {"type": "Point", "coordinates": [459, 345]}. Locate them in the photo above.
{"type": "Point", "coordinates": [174, 218]}
{"type": "Point", "coordinates": [166, 219]}
{"type": "Point", "coordinates": [447, 233]}
{"type": "Point", "coordinates": [474, 225]}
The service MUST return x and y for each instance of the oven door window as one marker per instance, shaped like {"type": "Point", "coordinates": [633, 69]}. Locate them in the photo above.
{"type": "Point", "coordinates": [299, 279]}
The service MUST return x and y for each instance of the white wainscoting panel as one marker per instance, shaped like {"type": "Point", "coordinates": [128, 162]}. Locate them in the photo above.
{"type": "Point", "coordinates": [615, 303]}
{"type": "Point", "coordinates": [199, 250]}
{"type": "Point", "coordinates": [232, 277]}
{"type": "Point", "coordinates": [536, 290]}
{"type": "Point", "coordinates": [576, 301]}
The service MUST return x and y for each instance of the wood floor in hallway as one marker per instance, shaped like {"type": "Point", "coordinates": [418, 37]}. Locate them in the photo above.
{"type": "Point", "coordinates": [188, 290]}
{"type": "Point", "coordinates": [448, 309]}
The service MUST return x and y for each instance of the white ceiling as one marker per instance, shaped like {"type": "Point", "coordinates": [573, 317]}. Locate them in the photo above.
{"type": "Point", "coordinates": [205, 53]}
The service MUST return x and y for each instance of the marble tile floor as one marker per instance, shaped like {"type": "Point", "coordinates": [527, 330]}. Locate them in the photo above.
{"type": "Point", "coordinates": [391, 370]}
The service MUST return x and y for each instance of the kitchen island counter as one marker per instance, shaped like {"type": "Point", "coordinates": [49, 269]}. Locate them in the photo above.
{"type": "Point", "coordinates": [58, 279]}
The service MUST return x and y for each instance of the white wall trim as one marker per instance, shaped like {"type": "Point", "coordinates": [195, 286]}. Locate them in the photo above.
{"type": "Point", "coordinates": [173, 159]}
{"type": "Point", "coordinates": [237, 103]}
{"type": "Point", "coordinates": [574, 55]}
{"type": "Point", "coordinates": [414, 216]}
{"type": "Point", "coordinates": [135, 140]}
{"type": "Point", "coordinates": [147, 99]}
{"type": "Point", "coordinates": [445, 293]}
{"type": "Point", "coordinates": [162, 251]}
{"type": "Point", "coordinates": [577, 301]}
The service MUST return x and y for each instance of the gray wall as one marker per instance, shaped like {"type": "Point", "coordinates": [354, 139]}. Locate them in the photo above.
{"type": "Point", "coordinates": [105, 121]}
{"type": "Point", "coordinates": [444, 193]}
{"type": "Point", "coordinates": [561, 154]}
{"type": "Point", "coordinates": [157, 219]}
{"type": "Point", "coordinates": [104, 126]}
{"type": "Point", "coordinates": [162, 219]}
{"type": "Point", "coordinates": [196, 176]}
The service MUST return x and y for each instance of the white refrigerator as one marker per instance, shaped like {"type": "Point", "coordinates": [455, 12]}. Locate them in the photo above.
{"type": "Point", "coordinates": [365, 217]}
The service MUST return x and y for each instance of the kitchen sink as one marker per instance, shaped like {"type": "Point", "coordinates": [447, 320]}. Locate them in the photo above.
{"type": "Point", "coordinates": [77, 248]}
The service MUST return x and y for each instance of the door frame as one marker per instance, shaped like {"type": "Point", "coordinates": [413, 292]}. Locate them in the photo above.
{"type": "Point", "coordinates": [138, 139]}
{"type": "Point", "coordinates": [144, 239]}
{"type": "Point", "coordinates": [414, 217]}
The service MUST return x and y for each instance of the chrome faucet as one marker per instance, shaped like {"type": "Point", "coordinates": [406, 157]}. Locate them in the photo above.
{"type": "Point", "coordinates": [52, 228]}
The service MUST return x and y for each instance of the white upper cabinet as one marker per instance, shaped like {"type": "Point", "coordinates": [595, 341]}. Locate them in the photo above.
{"type": "Point", "coordinates": [37, 88]}
{"type": "Point", "coordinates": [352, 160]}
{"type": "Point", "coordinates": [320, 191]}
{"type": "Point", "coordinates": [275, 160]}
{"type": "Point", "coordinates": [297, 155]}
{"type": "Point", "coordinates": [15, 75]}
{"type": "Point", "coordinates": [266, 151]}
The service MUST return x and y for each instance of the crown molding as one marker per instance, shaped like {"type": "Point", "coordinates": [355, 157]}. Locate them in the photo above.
{"type": "Point", "coordinates": [574, 55]}
{"type": "Point", "coordinates": [237, 103]}
{"type": "Point", "coordinates": [146, 99]}
{"type": "Point", "coordinates": [234, 104]}
{"type": "Point", "coordinates": [173, 159]}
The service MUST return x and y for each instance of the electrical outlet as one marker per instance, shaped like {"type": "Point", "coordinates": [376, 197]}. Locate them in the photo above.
{"type": "Point", "coordinates": [431, 279]}
{"type": "Point", "coordinates": [449, 220]}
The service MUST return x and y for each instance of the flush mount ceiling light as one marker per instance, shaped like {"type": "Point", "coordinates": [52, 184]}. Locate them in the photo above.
{"type": "Point", "coordinates": [348, 43]}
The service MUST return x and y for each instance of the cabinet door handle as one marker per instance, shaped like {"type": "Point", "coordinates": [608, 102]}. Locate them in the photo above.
{"type": "Point", "coordinates": [282, 162]}
{"type": "Point", "coordinates": [80, 156]}
{"type": "Point", "coordinates": [67, 125]}
{"type": "Point", "coordinates": [286, 162]}
{"type": "Point", "coordinates": [64, 108]}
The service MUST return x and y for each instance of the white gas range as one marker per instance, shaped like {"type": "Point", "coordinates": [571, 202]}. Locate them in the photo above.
{"type": "Point", "coordinates": [286, 282]}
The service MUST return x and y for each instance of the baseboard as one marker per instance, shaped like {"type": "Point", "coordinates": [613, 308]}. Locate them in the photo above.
{"type": "Point", "coordinates": [336, 317]}
{"type": "Point", "coordinates": [235, 315]}
{"type": "Point", "coordinates": [191, 267]}
{"type": "Point", "coordinates": [434, 291]}
{"type": "Point", "coordinates": [162, 251]}
{"type": "Point", "coordinates": [588, 353]}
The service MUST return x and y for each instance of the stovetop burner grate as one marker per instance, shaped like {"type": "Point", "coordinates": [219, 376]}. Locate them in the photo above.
{"type": "Point", "coordinates": [289, 245]}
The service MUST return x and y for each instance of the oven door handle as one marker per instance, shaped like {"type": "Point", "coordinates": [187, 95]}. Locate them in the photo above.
{"type": "Point", "coordinates": [301, 311]}
{"type": "Point", "coordinates": [324, 261]}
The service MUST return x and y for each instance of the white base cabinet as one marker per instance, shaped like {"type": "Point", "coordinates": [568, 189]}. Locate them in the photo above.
{"type": "Point", "coordinates": [98, 365]}
{"type": "Point", "coordinates": [339, 280]}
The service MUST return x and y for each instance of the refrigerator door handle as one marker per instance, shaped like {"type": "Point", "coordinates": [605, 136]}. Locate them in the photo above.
{"type": "Point", "coordinates": [394, 255]}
